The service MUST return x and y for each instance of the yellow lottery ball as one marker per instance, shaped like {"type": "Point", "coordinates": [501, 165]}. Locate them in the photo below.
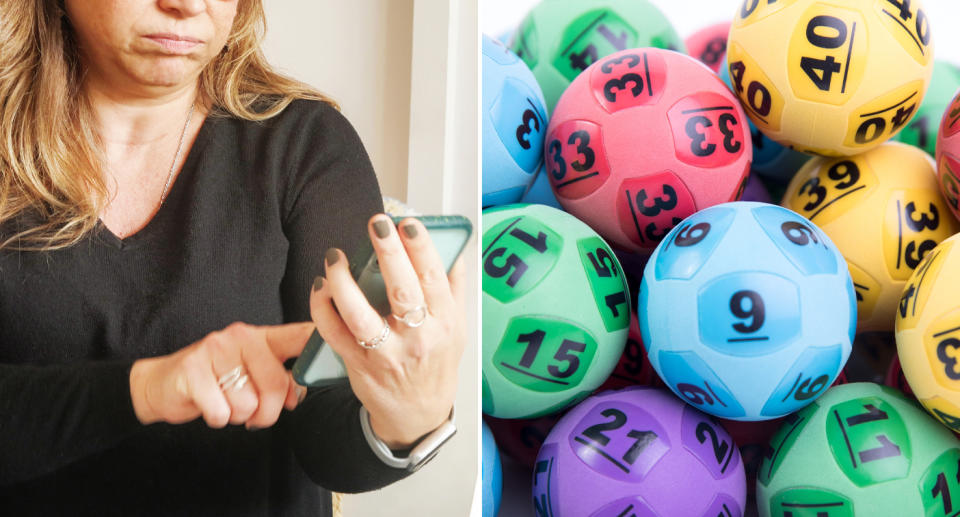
{"type": "Point", "coordinates": [928, 332]}
{"type": "Point", "coordinates": [884, 211]}
{"type": "Point", "coordinates": [832, 77]}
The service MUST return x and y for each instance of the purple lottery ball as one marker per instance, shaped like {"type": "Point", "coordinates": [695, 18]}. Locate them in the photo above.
{"type": "Point", "coordinates": [755, 191]}
{"type": "Point", "coordinates": [638, 451]}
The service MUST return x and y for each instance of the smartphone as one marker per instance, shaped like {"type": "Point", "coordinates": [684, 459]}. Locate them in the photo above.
{"type": "Point", "coordinates": [319, 365]}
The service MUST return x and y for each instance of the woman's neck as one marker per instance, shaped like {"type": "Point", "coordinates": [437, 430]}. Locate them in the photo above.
{"type": "Point", "coordinates": [127, 121]}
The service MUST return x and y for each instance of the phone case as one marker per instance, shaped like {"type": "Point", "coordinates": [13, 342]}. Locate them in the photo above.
{"type": "Point", "coordinates": [319, 365]}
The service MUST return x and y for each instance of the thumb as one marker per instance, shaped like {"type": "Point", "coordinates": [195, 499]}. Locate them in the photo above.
{"type": "Point", "coordinates": [288, 340]}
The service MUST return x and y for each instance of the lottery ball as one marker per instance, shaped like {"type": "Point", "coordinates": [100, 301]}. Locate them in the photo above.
{"type": "Point", "coordinates": [514, 122]}
{"type": "Point", "coordinates": [770, 159]}
{"type": "Point", "coordinates": [521, 438]}
{"type": "Point", "coordinates": [860, 449]}
{"type": "Point", "coordinates": [540, 192]}
{"type": "Point", "coordinates": [896, 379]}
{"type": "Point", "coordinates": [922, 130]}
{"type": "Point", "coordinates": [755, 191]}
{"type": "Point", "coordinates": [948, 155]}
{"type": "Point", "coordinates": [491, 474]}
{"type": "Point", "coordinates": [558, 39]}
{"type": "Point", "coordinates": [643, 139]}
{"type": "Point", "coordinates": [709, 45]}
{"type": "Point", "coordinates": [747, 311]}
{"type": "Point", "coordinates": [638, 451]}
{"type": "Point", "coordinates": [883, 210]}
{"type": "Point", "coordinates": [633, 369]}
{"type": "Point", "coordinates": [830, 77]}
{"type": "Point", "coordinates": [928, 332]}
{"type": "Point", "coordinates": [555, 311]}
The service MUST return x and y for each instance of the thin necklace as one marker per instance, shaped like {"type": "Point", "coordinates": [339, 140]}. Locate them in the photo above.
{"type": "Point", "coordinates": [173, 166]}
{"type": "Point", "coordinates": [176, 157]}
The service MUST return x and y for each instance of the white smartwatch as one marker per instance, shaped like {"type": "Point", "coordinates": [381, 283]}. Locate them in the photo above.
{"type": "Point", "coordinates": [422, 452]}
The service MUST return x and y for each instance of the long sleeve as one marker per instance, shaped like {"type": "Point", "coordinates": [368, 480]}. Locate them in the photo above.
{"type": "Point", "coordinates": [51, 416]}
{"type": "Point", "coordinates": [333, 194]}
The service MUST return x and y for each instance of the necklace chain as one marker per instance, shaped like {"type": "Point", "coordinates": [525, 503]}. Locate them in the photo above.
{"type": "Point", "coordinates": [173, 165]}
{"type": "Point", "coordinates": [176, 157]}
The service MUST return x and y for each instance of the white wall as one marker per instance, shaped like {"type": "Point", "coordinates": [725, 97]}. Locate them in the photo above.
{"type": "Point", "coordinates": [358, 53]}
{"type": "Point", "coordinates": [361, 53]}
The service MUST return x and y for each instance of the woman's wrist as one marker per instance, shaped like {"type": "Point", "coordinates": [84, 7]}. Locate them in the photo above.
{"type": "Point", "coordinates": [138, 391]}
{"type": "Point", "coordinates": [401, 436]}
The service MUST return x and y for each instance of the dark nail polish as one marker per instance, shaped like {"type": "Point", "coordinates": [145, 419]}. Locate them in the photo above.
{"type": "Point", "coordinates": [410, 230]}
{"type": "Point", "coordinates": [318, 283]}
{"type": "Point", "coordinates": [381, 228]}
{"type": "Point", "coordinates": [332, 256]}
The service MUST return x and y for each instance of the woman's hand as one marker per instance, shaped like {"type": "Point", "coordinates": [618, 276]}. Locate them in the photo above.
{"type": "Point", "coordinates": [409, 381]}
{"type": "Point", "coordinates": [182, 386]}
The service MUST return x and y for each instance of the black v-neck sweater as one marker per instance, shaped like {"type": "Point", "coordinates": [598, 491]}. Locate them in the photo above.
{"type": "Point", "coordinates": [240, 237]}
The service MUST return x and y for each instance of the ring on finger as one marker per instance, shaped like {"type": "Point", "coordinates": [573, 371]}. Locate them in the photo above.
{"type": "Point", "coordinates": [375, 342]}
{"type": "Point", "coordinates": [233, 380]}
{"type": "Point", "coordinates": [414, 317]}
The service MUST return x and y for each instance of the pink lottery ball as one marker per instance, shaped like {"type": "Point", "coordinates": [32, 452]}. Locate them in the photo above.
{"type": "Point", "coordinates": [638, 451]}
{"type": "Point", "coordinates": [709, 45]}
{"type": "Point", "coordinates": [642, 139]}
{"type": "Point", "coordinates": [948, 155]}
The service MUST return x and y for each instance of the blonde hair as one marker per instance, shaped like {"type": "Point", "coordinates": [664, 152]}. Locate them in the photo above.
{"type": "Point", "coordinates": [50, 152]}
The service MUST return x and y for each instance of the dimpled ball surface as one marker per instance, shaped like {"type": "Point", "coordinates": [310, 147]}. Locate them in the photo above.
{"type": "Point", "coordinates": [491, 473]}
{"type": "Point", "coordinates": [948, 155]}
{"type": "Point", "coordinates": [559, 39]}
{"type": "Point", "coordinates": [860, 449]}
{"type": "Point", "coordinates": [514, 121]}
{"type": "Point", "coordinates": [556, 310]}
{"type": "Point", "coordinates": [642, 139]}
{"type": "Point", "coordinates": [832, 77]}
{"type": "Point", "coordinates": [884, 212]}
{"type": "Point", "coordinates": [747, 311]}
{"type": "Point", "coordinates": [641, 452]}
{"type": "Point", "coordinates": [928, 332]}
{"type": "Point", "coordinates": [922, 129]}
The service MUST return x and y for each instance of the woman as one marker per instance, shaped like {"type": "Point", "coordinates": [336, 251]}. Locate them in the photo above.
{"type": "Point", "coordinates": [166, 203]}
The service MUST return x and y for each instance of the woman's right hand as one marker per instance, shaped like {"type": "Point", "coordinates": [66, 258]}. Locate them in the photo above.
{"type": "Point", "coordinates": [182, 386]}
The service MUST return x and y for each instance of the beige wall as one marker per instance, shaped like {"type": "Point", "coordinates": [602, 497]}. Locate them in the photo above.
{"type": "Point", "coordinates": [357, 52]}
{"type": "Point", "coordinates": [361, 53]}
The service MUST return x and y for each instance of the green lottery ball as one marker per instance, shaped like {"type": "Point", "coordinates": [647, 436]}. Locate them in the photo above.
{"type": "Point", "coordinates": [922, 129]}
{"type": "Point", "coordinates": [860, 449]}
{"type": "Point", "coordinates": [558, 39]}
{"type": "Point", "coordinates": [556, 310]}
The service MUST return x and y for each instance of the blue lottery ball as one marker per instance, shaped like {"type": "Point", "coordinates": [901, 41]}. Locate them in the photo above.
{"type": "Point", "coordinates": [747, 311]}
{"type": "Point", "coordinates": [540, 192]}
{"type": "Point", "coordinates": [491, 474]}
{"type": "Point", "coordinates": [770, 159]}
{"type": "Point", "coordinates": [514, 124]}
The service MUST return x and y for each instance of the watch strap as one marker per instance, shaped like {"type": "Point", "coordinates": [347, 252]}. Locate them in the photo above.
{"type": "Point", "coordinates": [422, 452]}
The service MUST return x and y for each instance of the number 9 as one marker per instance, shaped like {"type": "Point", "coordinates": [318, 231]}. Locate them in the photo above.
{"type": "Point", "coordinates": [694, 394]}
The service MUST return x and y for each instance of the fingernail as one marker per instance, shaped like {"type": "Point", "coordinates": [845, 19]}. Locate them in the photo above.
{"type": "Point", "coordinates": [381, 228]}
{"type": "Point", "coordinates": [317, 283]}
{"type": "Point", "coordinates": [332, 256]}
{"type": "Point", "coordinates": [252, 427]}
{"type": "Point", "coordinates": [410, 230]}
{"type": "Point", "coordinates": [301, 393]}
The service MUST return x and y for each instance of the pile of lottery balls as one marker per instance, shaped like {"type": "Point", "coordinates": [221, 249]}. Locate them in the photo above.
{"type": "Point", "coordinates": [720, 274]}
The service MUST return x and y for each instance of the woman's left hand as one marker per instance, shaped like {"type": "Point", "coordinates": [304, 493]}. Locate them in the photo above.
{"type": "Point", "coordinates": [409, 381]}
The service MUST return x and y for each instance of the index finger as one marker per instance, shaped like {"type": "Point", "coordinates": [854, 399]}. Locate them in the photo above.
{"type": "Point", "coordinates": [287, 341]}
